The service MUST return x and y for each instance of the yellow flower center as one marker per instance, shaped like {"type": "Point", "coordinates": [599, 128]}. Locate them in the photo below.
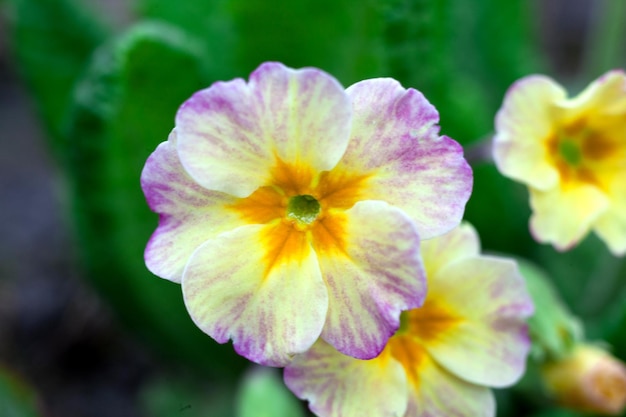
{"type": "Point", "coordinates": [304, 210]}
{"type": "Point", "coordinates": [419, 328]}
{"type": "Point", "coordinates": [589, 153]}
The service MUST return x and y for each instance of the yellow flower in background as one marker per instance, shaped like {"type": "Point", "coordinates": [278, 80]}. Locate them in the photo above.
{"type": "Point", "coordinates": [590, 380]}
{"type": "Point", "coordinates": [469, 335]}
{"type": "Point", "coordinates": [571, 153]}
{"type": "Point", "coordinates": [291, 209]}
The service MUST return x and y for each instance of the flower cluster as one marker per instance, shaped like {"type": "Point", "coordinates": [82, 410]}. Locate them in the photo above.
{"type": "Point", "coordinates": [469, 335]}
{"type": "Point", "coordinates": [305, 223]}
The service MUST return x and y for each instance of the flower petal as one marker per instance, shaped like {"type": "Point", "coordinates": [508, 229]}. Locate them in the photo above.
{"type": "Point", "coordinates": [564, 215]}
{"type": "Point", "coordinates": [338, 385]}
{"type": "Point", "coordinates": [488, 342]}
{"type": "Point", "coordinates": [188, 213]}
{"type": "Point", "coordinates": [306, 111]}
{"type": "Point", "coordinates": [440, 394]}
{"type": "Point", "coordinates": [232, 133]}
{"type": "Point", "coordinates": [604, 96]}
{"type": "Point", "coordinates": [611, 225]}
{"type": "Point", "coordinates": [270, 314]}
{"type": "Point", "coordinates": [460, 243]}
{"type": "Point", "coordinates": [522, 124]}
{"type": "Point", "coordinates": [396, 137]}
{"type": "Point", "coordinates": [378, 275]}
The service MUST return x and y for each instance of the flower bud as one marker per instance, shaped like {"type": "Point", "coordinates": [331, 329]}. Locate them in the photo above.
{"type": "Point", "coordinates": [590, 379]}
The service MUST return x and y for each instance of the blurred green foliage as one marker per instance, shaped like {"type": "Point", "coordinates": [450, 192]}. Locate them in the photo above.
{"type": "Point", "coordinates": [262, 393]}
{"type": "Point", "coordinates": [553, 328]}
{"type": "Point", "coordinates": [187, 395]}
{"type": "Point", "coordinates": [123, 109]}
{"type": "Point", "coordinates": [107, 99]}
{"type": "Point", "coordinates": [52, 41]}
{"type": "Point", "coordinates": [16, 398]}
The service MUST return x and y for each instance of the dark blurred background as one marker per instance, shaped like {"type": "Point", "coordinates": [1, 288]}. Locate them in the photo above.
{"type": "Point", "coordinates": [56, 333]}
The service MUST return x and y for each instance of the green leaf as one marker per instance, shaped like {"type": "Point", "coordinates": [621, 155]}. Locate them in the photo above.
{"type": "Point", "coordinates": [462, 55]}
{"type": "Point", "coordinates": [52, 41]}
{"type": "Point", "coordinates": [557, 412]}
{"type": "Point", "coordinates": [183, 395]}
{"type": "Point", "coordinates": [418, 36]}
{"type": "Point", "coordinates": [613, 319]}
{"type": "Point", "coordinates": [499, 208]}
{"type": "Point", "coordinates": [553, 329]}
{"type": "Point", "coordinates": [589, 279]}
{"type": "Point", "coordinates": [208, 21]}
{"type": "Point", "coordinates": [423, 39]}
{"type": "Point", "coordinates": [263, 394]}
{"type": "Point", "coordinates": [507, 47]}
{"type": "Point", "coordinates": [339, 36]}
{"type": "Point", "coordinates": [16, 398]}
{"type": "Point", "coordinates": [125, 106]}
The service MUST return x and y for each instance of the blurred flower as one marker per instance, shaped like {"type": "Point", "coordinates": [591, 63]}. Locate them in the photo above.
{"type": "Point", "coordinates": [590, 380]}
{"type": "Point", "coordinates": [469, 335]}
{"type": "Point", "coordinates": [290, 208]}
{"type": "Point", "coordinates": [572, 155]}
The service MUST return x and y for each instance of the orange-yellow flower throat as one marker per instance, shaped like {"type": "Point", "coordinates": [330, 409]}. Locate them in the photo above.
{"type": "Point", "coordinates": [304, 210]}
{"type": "Point", "coordinates": [589, 153]}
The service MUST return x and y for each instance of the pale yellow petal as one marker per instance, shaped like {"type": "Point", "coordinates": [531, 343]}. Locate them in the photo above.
{"type": "Point", "coordinates": [474, 320]}
{"type": "Point", "coordinates": [611, 226]}
{"type": "Point", "coordinates": [438, 393]}
{"type": "Point", "coordinates": [606, 95]}
{"type": "Point", "coordinates": [523, 124]}
{"type": "Point", "coordinates": [271, 311]}
{"type": "Point", "coordinates": [338, 385]}
{"type": "Point", "coordinates": [563, 216]}
{"type": "Point", "coordinates": [458, 244]}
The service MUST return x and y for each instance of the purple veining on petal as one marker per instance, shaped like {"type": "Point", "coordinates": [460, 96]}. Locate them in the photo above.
{"type": "Point", "coordinates": [385, 277]}
{"type": "Point", "coordinates": [221, 100]}
{"type": "Point", "coordinates": [396, 137]}
{"type": "Point", "coordinates": [330, 381]}
{"type": "Point", "coordinates": [219, 131]}
{"type": "Point", "coordinates": [188, 213]}
{"type": "Point", "coordinates": [231, 132]}
{"type": "Point", "coordinates": [389, 119]}
{"type": "Point", "coordinates": [166, 185]}
{"type": "Point", "coordinates": [311, 120]}
{"type": "Point", "coordinates": [268, 317]}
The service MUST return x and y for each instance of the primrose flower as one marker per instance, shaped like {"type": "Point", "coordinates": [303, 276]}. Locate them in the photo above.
{"type": "Point", "coordinates": [469, 335]}
{"type": "Point", "coordinates": [291, 208]}
{"type": "Point", "coordinates": [589, 380]}
{"type": "Point", "coordinates": [571, 153]}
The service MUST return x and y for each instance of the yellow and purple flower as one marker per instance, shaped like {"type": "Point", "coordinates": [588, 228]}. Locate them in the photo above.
{"type": "Point", "coordinates": [469, 335]}
{"type": "Point", "coordinates": [571, 153]}
{"type": "Point", "coordinates": [290, 208]}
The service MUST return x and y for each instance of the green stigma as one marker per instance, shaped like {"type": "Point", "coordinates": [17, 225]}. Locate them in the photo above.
{"type": "Point", "coordinates": [303, 208]}
{"type": "Point", "coordinates": [570, 152]}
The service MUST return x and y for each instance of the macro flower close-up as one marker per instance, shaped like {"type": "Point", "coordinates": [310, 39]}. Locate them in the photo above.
{"type": "Point", "coordinates": [571, 153]}
{"type": "Point", "coordinates": [290, 208]}
{"type": "Point", "coordinates": [241, 208]}
{"type": "Point", "coordinates": [469, 335]}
